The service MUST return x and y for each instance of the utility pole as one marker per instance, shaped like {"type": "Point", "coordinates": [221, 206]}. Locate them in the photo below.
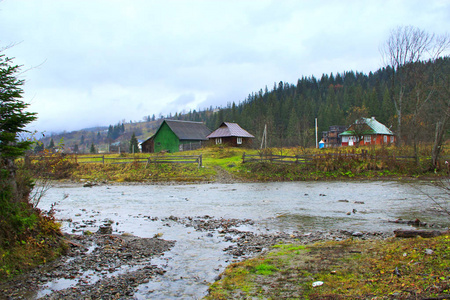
{"type": "Point", "coordinates": [264, 137]}
{"type": "Point", "coordinates": [316, 133]}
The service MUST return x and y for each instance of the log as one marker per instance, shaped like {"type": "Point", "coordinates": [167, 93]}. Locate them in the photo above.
{"type": "Point", "coordinates": [415, 222]}
{"type": "Point", "coordinates": [403, 233]}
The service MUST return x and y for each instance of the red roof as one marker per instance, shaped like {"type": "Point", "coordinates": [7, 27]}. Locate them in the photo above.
{"type": "Point", "coordinates": [229, 129]}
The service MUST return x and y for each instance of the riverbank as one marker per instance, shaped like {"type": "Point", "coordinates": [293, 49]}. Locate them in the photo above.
{"type": "Point", "coordinates": [350, 269]}
{"type": "Point", "coordinates": [111, 266]}
{"type": "Point", "coordinates": [212, 226]}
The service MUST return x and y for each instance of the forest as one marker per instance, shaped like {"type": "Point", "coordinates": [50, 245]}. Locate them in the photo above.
{"type": "Point", "coordinates": [289, 110]}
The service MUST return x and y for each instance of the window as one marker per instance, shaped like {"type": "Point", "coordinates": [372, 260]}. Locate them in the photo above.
{"type": "Point", "coordinates": [218, 141]}
{"type": "Point", "coordinates": [367, 139]}
{"type": "Point", "coordinates": [392, 139]}
{"type": "Point", "coordinates": [239, 140]}
{"type": "Point", "coordinates": [385, 139]}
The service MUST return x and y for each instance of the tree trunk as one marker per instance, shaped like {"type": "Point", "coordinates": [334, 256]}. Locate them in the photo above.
{"type": "Point", "coordinates": [8, 180]}
{"type": "Point", "coordinates": [437, 145]}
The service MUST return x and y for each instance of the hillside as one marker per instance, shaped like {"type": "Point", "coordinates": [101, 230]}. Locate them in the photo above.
{"type": "Point", "coordinates": [289, 110]}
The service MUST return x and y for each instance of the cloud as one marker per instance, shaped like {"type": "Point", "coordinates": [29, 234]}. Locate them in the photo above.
{"type": "Point", "coordinates": [100, 61]}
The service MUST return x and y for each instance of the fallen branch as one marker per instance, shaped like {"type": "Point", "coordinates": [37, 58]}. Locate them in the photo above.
{"type": "Point", "coordinates": [403, 233]}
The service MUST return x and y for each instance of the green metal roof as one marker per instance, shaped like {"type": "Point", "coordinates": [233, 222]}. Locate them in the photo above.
{"type": "Point", "coordinates": [352, 132]}
{"type": "Point", "coordinates": [375, 128]}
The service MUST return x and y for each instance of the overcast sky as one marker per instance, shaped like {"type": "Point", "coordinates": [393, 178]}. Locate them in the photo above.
{"type": "Point", "coordinates": [97, 62]}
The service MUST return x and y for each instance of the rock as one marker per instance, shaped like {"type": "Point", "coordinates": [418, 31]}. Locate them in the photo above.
{"type": "Point", "coordinates": [89, 184]}
{"type": "Point", "coordinates": [357, 233]}
{"type": "Point", "coordinates": [429, 251]}
{"type": "Point", "coordinates": [105, 229]}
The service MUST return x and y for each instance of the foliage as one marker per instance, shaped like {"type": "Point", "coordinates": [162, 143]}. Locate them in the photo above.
{"type": "Point", "coordinates": [33, 239]}
{"type": "Point", "coordinates": [115, 131]}
{"type": "Point", "coordinates": [13, 117]}
{"type": "Point", "coordinates": [51, 166]}
{"type": "Point", "coordinates": [342, 163]}
{"type": "Point", "coordinates": [412, 268]}
{"type": "Point", "coordinates": [134, 145]}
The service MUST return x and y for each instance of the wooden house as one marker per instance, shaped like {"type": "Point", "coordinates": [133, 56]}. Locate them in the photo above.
{"type": "Point", "coordinates": [367, 131]}
{"type": "Point", "coordinates": [332, 138]}
{"type": "Point", "coordinates": [174, 136]}
{"type": "Point", "coordinates": [231, 134]}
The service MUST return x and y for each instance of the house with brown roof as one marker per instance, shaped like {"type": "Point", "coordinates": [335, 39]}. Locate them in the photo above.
{"type": "Point", "coordinates": [175, 135]}
{"type": "Point", "coordinates": [231, 134]}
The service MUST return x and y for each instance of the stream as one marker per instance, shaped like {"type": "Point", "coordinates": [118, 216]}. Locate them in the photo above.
{"type": "Point", "coordinates": [198, 257]}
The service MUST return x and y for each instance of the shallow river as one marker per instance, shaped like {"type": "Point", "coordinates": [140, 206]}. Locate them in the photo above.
{"type": "Point", "coordinates": [197, 257]}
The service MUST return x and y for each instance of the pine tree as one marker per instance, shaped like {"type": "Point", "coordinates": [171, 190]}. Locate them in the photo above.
{"type": "Point", "coordinates": [134, 145]}
{"type": "Point", "coordinates": [92, 150]}
{"type": "Point", "coordinates": [13, 117]}
{"type": "Point", "coordinates": [51, 145]}
{"type": "Point", "coordinates": [13, 120]}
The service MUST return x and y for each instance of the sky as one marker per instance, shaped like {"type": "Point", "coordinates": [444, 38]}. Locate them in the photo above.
{"type": "Point", "coordinates": [98, 62]}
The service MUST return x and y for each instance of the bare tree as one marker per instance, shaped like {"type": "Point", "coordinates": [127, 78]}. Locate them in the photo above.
{"type": "Point", "coordinates": [442, 105]}
{"type": "Point", "coordinates": [404, 49]}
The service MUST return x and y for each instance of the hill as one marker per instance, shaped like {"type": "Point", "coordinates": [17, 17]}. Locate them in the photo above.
{"type": "Point", "coordinates": [289, 110]}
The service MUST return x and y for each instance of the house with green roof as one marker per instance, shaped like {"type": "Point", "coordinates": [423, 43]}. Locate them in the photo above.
{"type": "Point", "coordinates": [174, 135]}
{"type": "Point", "coordinates": [367, 131]}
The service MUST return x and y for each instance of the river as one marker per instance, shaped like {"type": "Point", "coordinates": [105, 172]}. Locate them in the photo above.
{"type": "Point", "coordinates": [197, 257]}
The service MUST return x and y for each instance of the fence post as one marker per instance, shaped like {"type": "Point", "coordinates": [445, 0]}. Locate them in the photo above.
{"type": "Point", "coordinates": [243, 157]}
{"type": "Point", "coordinates": [200, 162]}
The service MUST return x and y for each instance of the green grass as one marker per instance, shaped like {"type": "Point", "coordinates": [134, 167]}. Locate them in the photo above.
{"type": "Point", "coordinates": [230, 160]}
{"type": "Point", "coordinates": [350, 269]}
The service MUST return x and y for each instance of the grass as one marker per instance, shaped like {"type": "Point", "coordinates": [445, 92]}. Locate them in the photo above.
{"type": "Point", "coordinates": [39, 244]}
{"type": "Point", "coordinates": [379, 164]}
{"type": "Point", "coordinates": [400, 268]}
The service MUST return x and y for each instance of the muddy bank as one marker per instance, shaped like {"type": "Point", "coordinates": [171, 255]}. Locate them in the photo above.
{"type": "Point", "coordinates": [96, 266]}
{"type": "Point", "coordinates": [112, 266]}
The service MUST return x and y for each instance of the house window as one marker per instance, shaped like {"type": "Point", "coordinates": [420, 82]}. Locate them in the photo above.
{"type": "Point", "coordinates": [367, 139]}
{"type": "Point", "coordinates": [239, 140]}
{"type": "Point", "coordinates": [385, 139]}
{"type": "Point", "coordinates": [218, 141]}
{"type": "Point", "coordinates": [392, 139]}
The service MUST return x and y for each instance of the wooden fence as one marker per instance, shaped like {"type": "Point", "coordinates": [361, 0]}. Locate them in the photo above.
{"type": "Point", "coordinates": [160, 159]}
{"type": "Point", "coordinates": [307, 158]}
{"type": "Point", "coordinates": [172, 159]}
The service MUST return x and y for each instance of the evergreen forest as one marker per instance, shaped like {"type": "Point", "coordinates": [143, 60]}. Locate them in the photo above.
{"type": "Point", "coordinates": [289, 110]}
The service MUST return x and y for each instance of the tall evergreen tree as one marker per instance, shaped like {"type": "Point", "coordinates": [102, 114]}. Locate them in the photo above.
{"type": "Point", "coordinates": [13, 120]}
{"type": "Point", "coordinates": [134, 145]}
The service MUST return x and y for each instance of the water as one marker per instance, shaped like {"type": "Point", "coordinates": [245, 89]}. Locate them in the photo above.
{"type": "Point", "coordinates": [197, 258]}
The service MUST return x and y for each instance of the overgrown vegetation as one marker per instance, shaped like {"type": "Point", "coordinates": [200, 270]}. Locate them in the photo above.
{"type": "Point", "coordinates": [352, 269]}
{"type": "Point", "coordinates": [342, 163]}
